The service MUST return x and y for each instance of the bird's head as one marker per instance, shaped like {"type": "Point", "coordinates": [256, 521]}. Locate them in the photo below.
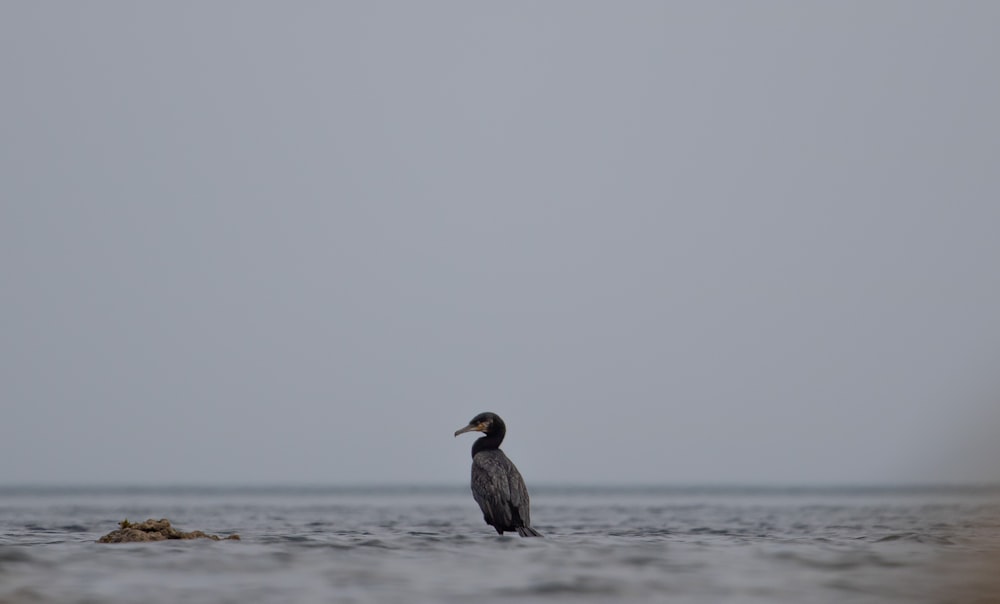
{"type": "Point", "coordinates": [487, 423]}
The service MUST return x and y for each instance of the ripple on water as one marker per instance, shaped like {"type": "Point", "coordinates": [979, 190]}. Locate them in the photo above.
{"type": "Point", "coordinates": [838, 561]}
{"type": "Point", "coordinates": [915, 538]}
{"type": "Point", "coordinates": [13, 554]}
{"type": "Point", "coordinates": [575, 586]}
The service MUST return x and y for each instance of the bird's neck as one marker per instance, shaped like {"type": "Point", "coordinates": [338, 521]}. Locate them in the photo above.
{"type": "Point", "coordinates": [487, 443]}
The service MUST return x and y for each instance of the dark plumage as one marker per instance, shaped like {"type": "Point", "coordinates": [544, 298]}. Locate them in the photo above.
{"type": "Point", "coordinates": [497, 486]}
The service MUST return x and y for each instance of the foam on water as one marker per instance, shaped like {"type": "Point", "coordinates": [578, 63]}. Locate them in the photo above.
{"type": "Point", "coordinates": [430, 545]}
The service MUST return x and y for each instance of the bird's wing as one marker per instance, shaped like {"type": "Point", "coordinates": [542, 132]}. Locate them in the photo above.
{"type": "Point", "coordinates": [519, 494]}
{"type": "Point", "coordinates": [491, 488]}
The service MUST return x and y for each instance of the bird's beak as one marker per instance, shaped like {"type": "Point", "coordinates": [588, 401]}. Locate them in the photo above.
{"type": "Point", "coordinates": [471, 428]}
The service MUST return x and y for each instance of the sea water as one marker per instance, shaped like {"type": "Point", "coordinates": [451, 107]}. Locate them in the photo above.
{"type": "Point", "coordinates": [430, 545]}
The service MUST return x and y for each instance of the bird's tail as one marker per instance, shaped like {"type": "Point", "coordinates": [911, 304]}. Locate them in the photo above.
{"type": "Point", "coordinates": [527, 531]}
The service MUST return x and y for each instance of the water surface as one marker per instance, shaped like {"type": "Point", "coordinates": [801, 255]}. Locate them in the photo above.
{"type": "Point", "coordinates": [431, 545]}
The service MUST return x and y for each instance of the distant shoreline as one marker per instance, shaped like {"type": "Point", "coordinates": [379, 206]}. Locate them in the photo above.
{"type": "Point", "coordinates": [541, 489]}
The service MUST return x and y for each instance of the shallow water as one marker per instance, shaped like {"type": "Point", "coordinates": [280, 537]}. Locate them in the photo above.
{"type": "Point", "coordinates": [430, 545]}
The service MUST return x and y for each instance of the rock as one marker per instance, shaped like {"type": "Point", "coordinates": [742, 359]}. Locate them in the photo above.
{"type": "Point", "coordinates": [154, 530]}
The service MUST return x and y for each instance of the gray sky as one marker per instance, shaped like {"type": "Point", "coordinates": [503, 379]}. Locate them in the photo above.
{"type": "Point", "coordinates": [704, 242]}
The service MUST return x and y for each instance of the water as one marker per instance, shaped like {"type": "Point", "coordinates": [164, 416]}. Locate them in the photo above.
{"type": "Point", "coordinates": [430, 545]}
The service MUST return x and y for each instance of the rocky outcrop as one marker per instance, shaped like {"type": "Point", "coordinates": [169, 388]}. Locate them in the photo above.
{"type": "Point", "coordinates": [153, 530]}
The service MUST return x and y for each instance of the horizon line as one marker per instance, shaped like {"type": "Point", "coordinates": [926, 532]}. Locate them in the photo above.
{"type": "Point", "coordinates": [430, 487]}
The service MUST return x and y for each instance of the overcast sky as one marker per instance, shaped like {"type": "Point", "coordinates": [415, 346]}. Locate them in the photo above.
{"type": "Point", "coordinates": [303, 242]}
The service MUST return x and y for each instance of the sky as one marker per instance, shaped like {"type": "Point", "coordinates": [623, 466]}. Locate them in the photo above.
{"type": "Point", "coordinates": [668, 242]}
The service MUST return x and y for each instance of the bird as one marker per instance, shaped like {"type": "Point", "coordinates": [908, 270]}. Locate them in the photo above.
{"type": "Point", "coordinates": [497, 486]}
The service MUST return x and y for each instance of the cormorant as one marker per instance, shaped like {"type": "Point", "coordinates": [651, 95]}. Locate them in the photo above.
{"type": "Point", "coordinates": [497, 486]}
